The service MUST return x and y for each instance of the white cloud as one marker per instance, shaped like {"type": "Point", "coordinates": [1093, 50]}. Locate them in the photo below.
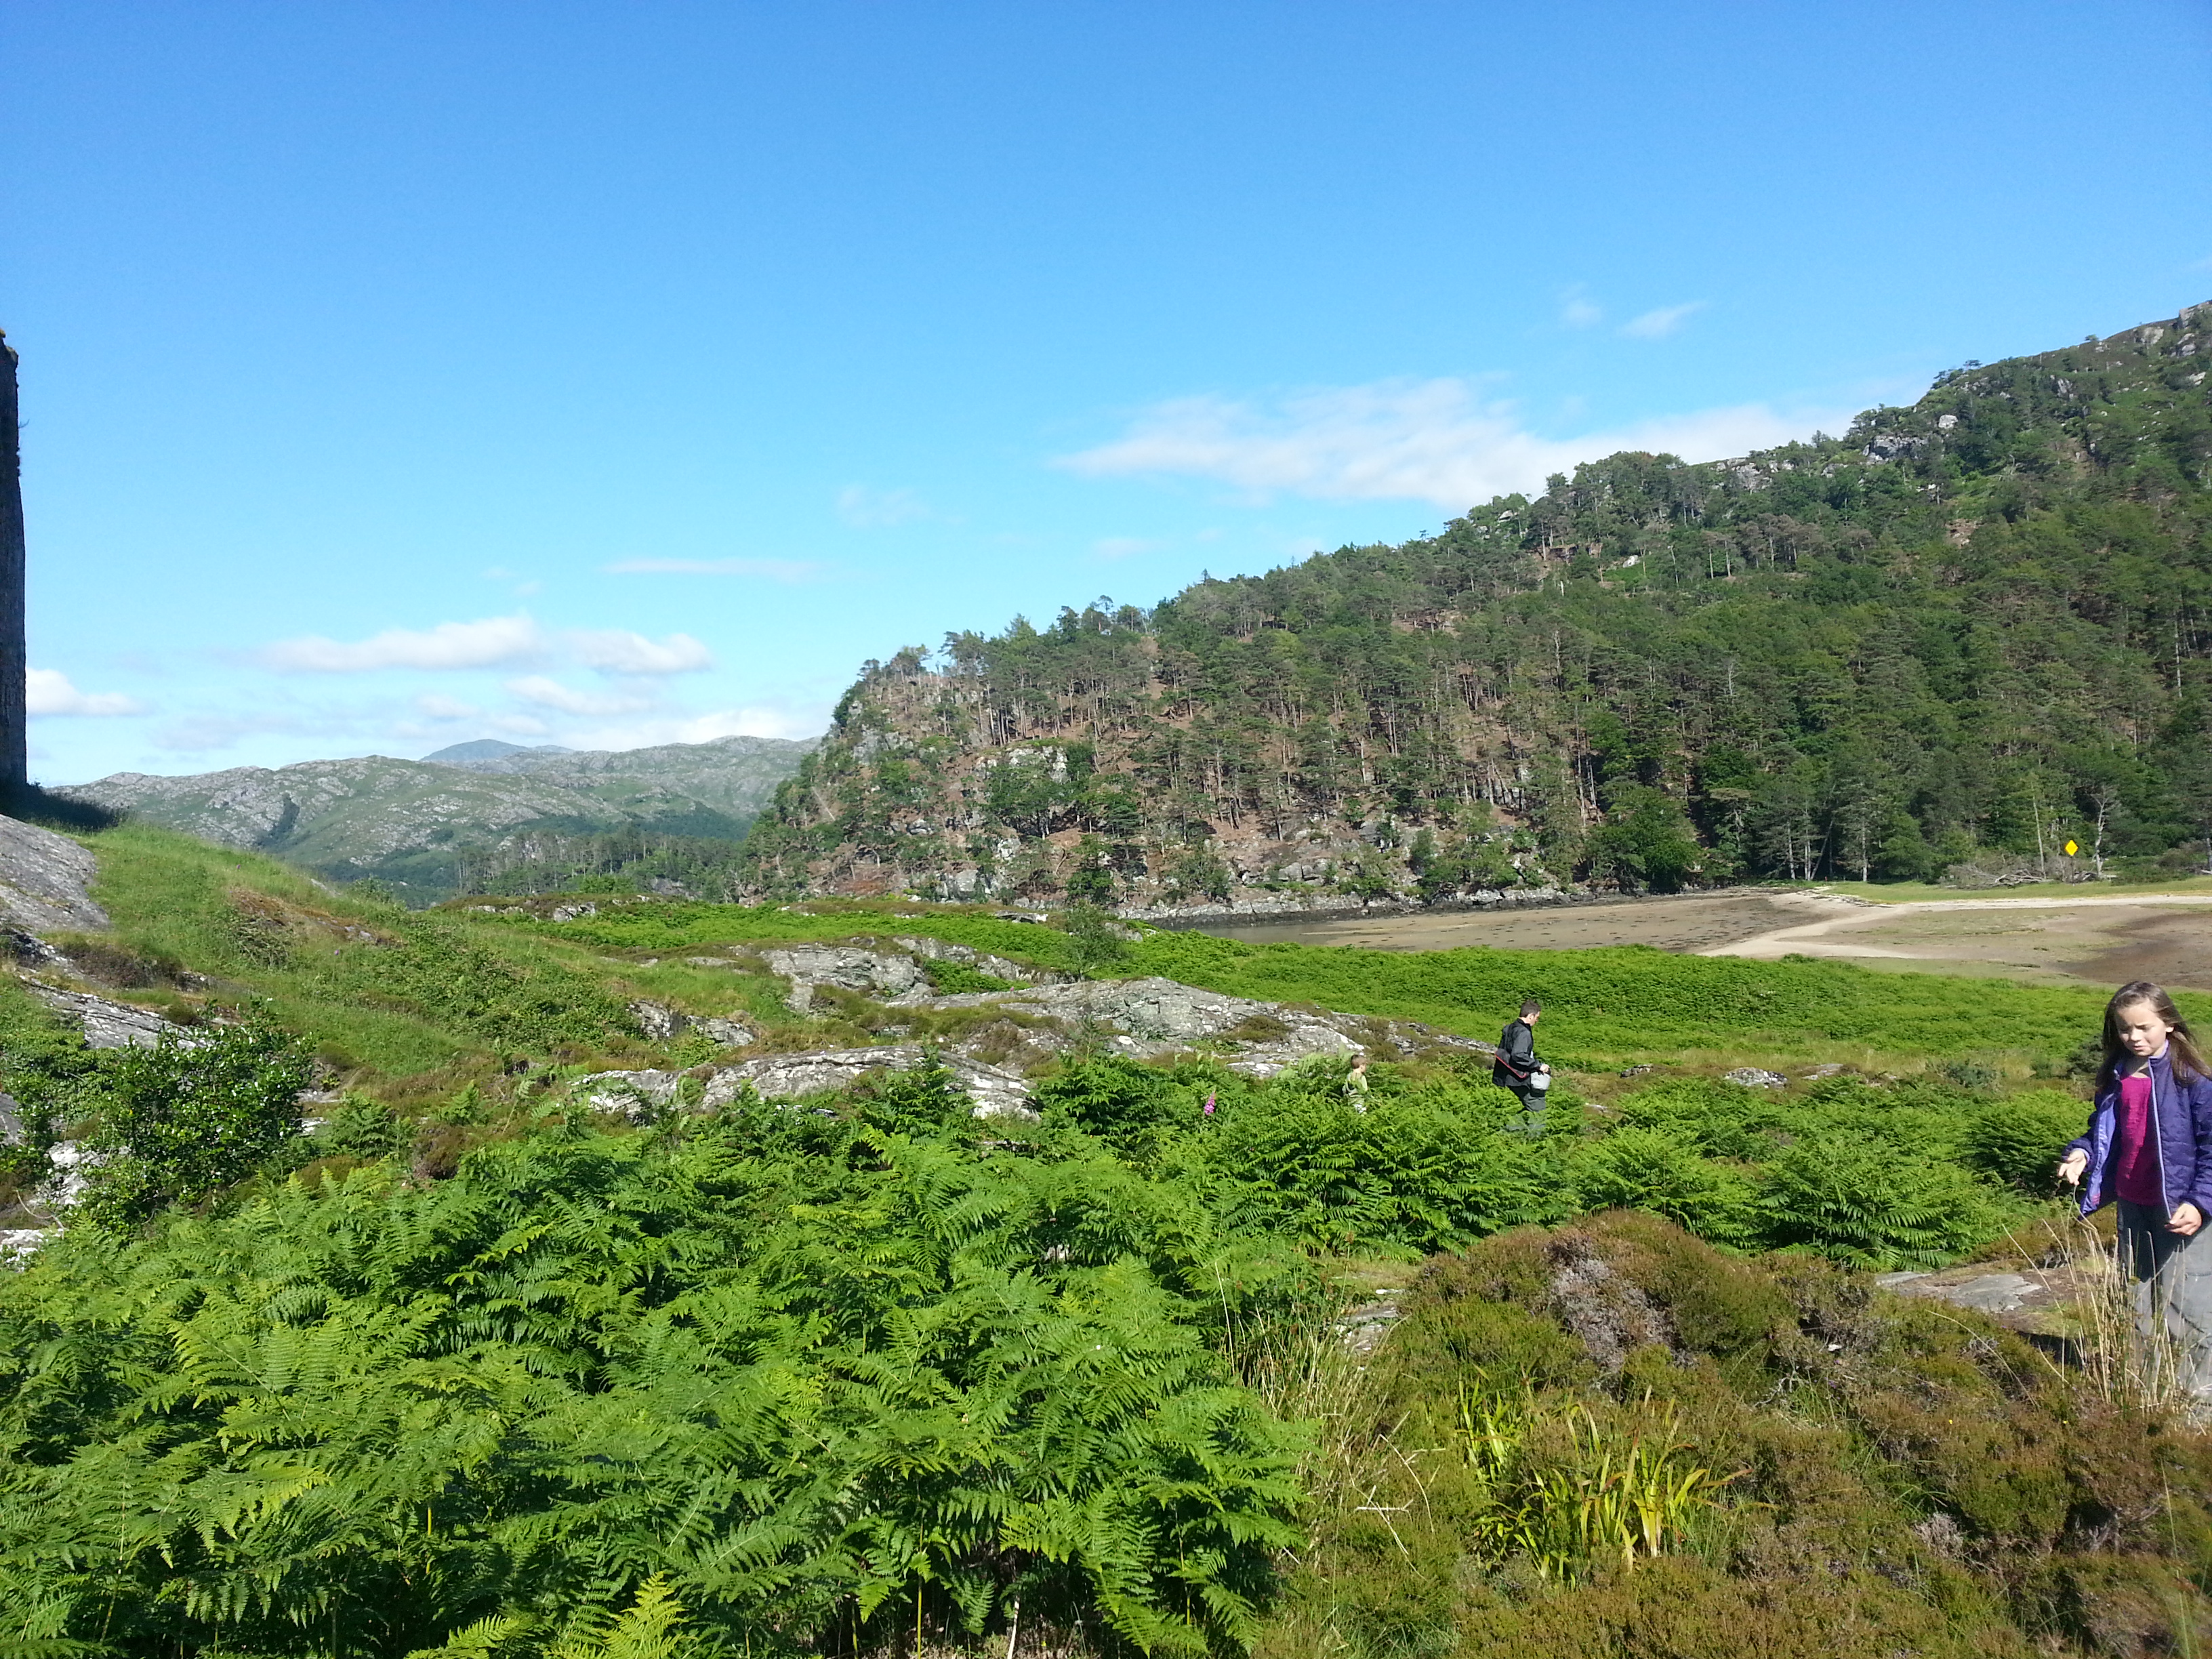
{"type": "Point", "coordinates": [547, 693]}
{"type": "Point", "coordinates": [618, 651]}
{"type": "Point", "coordinates": [1578, 310]}
{"type": "Point", "coordinates": [755, 722]}
{"type": "Point", "coordinates": [876, 509]}
{"type": "Point", "coordinates": [485, 644]}
{"type": "Point", "coordinates": [48, 691]}
{"type": "Point", "coordinates": [1433, 440]}
{"type": "Point", "coordinates": [1658, 324]}
{"type": "Point", "coordinates": [439, 708]}
{"type": "Point", "coordinates": [782, 570]}
{"type": "Point", "coordinates": [493, 642]}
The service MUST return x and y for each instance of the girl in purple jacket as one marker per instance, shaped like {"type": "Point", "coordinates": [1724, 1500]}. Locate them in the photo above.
{"type": "Point", "coordinates": [2150, 1149]}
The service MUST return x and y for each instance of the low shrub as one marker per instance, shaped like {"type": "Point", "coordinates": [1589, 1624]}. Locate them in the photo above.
{"type": "Point", "coordinates": [178, 1122]}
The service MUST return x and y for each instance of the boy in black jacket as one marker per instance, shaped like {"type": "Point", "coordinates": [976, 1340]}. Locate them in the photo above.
{"type": "Point", "coordinates": [1518, 1066]}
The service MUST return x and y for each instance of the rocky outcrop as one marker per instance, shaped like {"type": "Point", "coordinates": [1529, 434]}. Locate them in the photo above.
{"type": "Point", "coordinates": [107, 1024]}
{"type": "Point", "coordinates": [1149, 1017]}
{"type": "Point", "coordinates": [997, 1093]}
{"type": "Point", "coordinates": [643, 1094]}
{"type": "Point", "coordinates": [44, 880]}
{"type": "Point", "coordinates": [664, 1024]}
{"type": "Point", "coordinates": [894, 977]}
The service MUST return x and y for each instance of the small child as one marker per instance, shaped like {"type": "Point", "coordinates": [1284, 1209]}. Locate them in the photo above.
{"type": "Point", "coordinates": [2149, 1148]}
{"type": "Point", "coordinates": [1355, 1082]}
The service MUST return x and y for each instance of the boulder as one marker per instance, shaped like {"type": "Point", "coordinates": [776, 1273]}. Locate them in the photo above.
{"type": "Point", "coordinates": [635, 1095]}
{"type": "Point", "coordinates": [664, 1024]}
{"type": "Point", "coordinates": [72, 1166]}
{"type": "Point", "coordinates": [1751, 1077]}
{"type": "Point", "coordinates": [107, 1024]}
{"type": "Point", "coordinates": [886, 976]}
{"type": "Point", "coordinates": [996, 1093]}
{"type": "Point", "coordinates": [1152, 1016]}
{"type": "Point", "coordinates": [44, 880]}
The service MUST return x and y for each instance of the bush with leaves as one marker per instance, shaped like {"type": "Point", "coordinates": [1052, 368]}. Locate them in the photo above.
{"type": "Point", "coordinates": [188, 1116]}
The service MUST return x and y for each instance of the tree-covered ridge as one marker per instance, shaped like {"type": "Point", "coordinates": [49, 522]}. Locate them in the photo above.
{"type": "Point", "coordinates": [1970, 629]}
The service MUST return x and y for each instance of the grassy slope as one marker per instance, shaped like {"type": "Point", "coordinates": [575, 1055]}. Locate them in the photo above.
{"type": "Point", "coordinates": [370, 985]}
{"type": "Point", "coordinates": [1604, 1007]}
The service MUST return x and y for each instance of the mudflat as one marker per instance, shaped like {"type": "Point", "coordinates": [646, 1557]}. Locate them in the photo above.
{"type": "Point", "coordinates": [1690, 921]}
{"type": "Point", "coordinates": [2051, 940]}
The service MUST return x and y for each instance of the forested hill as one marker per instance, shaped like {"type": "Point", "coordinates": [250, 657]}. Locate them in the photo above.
{"type": "Point", "coordinates": [1966, 630]}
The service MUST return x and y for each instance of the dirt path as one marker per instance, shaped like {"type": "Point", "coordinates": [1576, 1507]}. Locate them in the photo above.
{"type": "Point", "coordinates": [2099, 940]}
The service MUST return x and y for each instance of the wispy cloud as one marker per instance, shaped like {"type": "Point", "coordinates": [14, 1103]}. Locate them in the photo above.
{"type": "Point", "coordinates": [492, 643]}
{"type": "Point", "coordinates": [760, 721]}
{"type": "Point", "coordinates": [438, 706]}
{"type": "Point", "coordinates": [47, 692]}
{"type": "Point", "coordinates": [1578, 310]}
{"type": "Point", "coordinates": [548, 693]}
{"type": "Point", "coordinates": [780, 570]}
{"type": "Point", "coordinates": [1658, 324]}
{"type": "Point", "coordinates": [1434, 440]}
{"type": "Point", "coordinates": [876, 509]}
{"type": "Point", "coordinates": [618, 651]}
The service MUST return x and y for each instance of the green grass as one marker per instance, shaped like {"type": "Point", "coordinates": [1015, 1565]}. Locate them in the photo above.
{"type": "Point", "coordinates": [403, 994]}
{"type": "Point", "coordinates": [368, 983]}
{"type": "Point", "coordinates": [1921, 892]}
{"type": "Point", "coordinates": [1603, 1007]}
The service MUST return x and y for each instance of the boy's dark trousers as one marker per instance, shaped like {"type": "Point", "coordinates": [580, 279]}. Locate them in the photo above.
{"type": "Point", "coordinates": [1532, 1099]}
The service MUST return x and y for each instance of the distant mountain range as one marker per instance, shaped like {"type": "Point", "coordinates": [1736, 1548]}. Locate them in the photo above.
{"type": "Point", "coordinates": [417, 823]}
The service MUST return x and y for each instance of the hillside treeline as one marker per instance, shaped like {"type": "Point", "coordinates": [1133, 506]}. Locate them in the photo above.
{"type": "Point", "coordinates": [1969, 630]}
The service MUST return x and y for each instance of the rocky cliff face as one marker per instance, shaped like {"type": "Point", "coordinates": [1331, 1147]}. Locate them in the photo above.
{"type": "Point", "coordinates": [1811, 661]}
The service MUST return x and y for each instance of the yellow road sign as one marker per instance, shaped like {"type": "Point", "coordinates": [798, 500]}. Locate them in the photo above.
{"type": "Point", "coordinates": [2072, 848]}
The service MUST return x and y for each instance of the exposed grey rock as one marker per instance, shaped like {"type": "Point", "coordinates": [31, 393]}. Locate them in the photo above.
{"type": "Point", "coordinates": [791, 1076]}
{"type": "Point", "coordinates": [937, 949]}
{"type": "Point", "coordinates": [1751, 1077]}
{"type": "Point", "coordinates": [72, 1166]}
{"type": "Point", "coordinates": [888, 976]}
{"type": "Point", "coordinates": [658, 1021]}
{"type": "Point", "coordinates": [107, 1024]}
{"type": "Point", "coordinates": [573, 912]}
{"type": "Point", "coordinates": [11, 1122]}
{"type": "Point", "coordinates": [636, 1095]}
{"type": "Point", "coordinates": [1992, 1293]}
{"type": "Point", "coordinates": [1152, 1016]}
{"type": "Point", "coordinates": [19, 1244]}
{"type": "Point", "coordinates": [45, 879]}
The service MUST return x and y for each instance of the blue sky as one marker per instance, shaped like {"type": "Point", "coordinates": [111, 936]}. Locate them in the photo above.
{"type": "Point", "coordinates": [602, 374]}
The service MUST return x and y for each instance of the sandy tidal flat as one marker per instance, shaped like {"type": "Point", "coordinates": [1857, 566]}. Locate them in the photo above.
{"type": "Point", "coordinates": [2102, 940]}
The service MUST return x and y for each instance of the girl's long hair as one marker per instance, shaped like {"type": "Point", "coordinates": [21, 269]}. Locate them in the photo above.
{"type": "Point", "coordinates": [2181, 1045]}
